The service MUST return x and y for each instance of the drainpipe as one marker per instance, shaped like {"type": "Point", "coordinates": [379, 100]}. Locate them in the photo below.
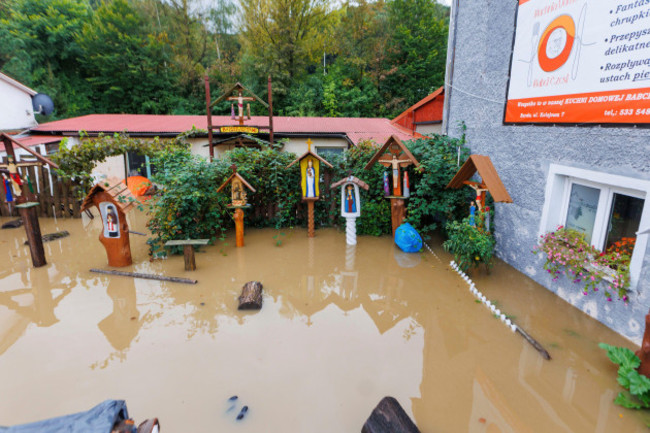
{"type": "Point", "coordinates": [451, 59]}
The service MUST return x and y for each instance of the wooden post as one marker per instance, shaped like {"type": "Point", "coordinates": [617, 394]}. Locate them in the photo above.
{"type": "Point", "coordinates": [310, 218]}
{"type": "Point", "coordinates": [188, 255]}
{"type": "Point", "coordinates": [209, 114]}
{"type": "Point", "coordinates": [270, 113]}
{"type": "Point", "coordinates": [397, 212]}
{"type": "Point", "coordinates": [188, 250]}
{"type": "Point", "coordinates": [239, 227]}
{"type": "Point", "coordinates": [33, 230]}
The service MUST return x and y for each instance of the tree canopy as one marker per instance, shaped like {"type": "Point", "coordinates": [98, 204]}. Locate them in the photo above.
{"type": "Point", "coordinates": [358, 58]}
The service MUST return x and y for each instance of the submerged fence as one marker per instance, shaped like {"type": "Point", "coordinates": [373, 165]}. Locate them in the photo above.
{"type": "Point", "coordinates": [57, 197]}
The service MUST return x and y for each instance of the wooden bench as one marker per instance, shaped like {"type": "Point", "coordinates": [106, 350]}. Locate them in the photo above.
{"type": "Point", "coordinates": [188, 250]}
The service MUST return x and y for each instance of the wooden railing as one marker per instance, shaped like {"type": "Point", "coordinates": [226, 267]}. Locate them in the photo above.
{"type": "Point", "coordinates": [57, 197]}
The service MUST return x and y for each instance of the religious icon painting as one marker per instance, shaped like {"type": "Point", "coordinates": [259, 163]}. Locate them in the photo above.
{"type": "Point", "coordinates": [310, 172]}
{"type": "Point", "coordinates": [110, 219]}
{"type": "Point", "coordinates": [238, 193]}
{"type": "Point", "coordinates": [350, 204]}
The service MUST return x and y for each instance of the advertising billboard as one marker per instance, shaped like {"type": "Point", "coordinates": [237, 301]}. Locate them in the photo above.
{"type": "Point", "coordinates": [580, 61]}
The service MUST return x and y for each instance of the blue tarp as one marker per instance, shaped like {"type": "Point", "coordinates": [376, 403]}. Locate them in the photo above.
{"type": "Point", "coordinates": [408, 239]}
{"type": "Point", "coordinates": [99, 419]}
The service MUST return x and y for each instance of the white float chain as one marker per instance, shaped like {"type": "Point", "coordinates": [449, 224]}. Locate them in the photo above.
{"type": "Point", "coordinates": [483, 298]}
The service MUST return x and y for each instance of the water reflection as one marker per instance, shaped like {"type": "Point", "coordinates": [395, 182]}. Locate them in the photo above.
{"type": "Point", "coordinates": [341, 327]}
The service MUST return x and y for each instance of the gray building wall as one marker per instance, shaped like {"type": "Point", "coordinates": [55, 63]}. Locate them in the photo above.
{"type": "Point", "coordinates": [522, 155]}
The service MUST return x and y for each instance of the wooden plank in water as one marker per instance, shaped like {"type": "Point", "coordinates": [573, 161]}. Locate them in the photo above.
{"type": "Point", "coordinates": [183, 242]}
{"type": "Point", "coordinates": [145, 276]}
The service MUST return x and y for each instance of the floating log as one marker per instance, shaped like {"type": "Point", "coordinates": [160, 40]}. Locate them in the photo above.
{"type": "Point", "coordinates": [53, 236]}
{"type": "Point", "coordinates": [535, 344]}
{"type": "Point", "coordinates": [145, 276]}
{"type": "Point", "coordinates": [389, 417]}
{"type": "Point", "coordinates": [251, 296]}
{"type": "Point", "coordinates": [13, 224]}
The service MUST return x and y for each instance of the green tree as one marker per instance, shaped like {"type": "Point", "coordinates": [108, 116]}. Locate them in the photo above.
{"type": "Point", "coordinates": [283, 37]}
{"type": "Point", "coordinates": [127, 61]}
{"type": "Point", "coordinates": [416, 52]}
{"type": "Point", "coordinates": [39, 49]}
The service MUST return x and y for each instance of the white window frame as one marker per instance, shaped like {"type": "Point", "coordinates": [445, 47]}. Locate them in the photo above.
{"type": "Point", "coordinates": [556, 201]}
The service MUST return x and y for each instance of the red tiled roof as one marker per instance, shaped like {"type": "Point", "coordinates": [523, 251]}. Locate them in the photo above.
{"type": "Point", "coordinates": [355, 128]}
{"type": "Point", "coordinates": [34, 140]}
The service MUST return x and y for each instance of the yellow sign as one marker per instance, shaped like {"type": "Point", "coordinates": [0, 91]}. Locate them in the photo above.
{"type": "Point", "coordinates": [247, 129]}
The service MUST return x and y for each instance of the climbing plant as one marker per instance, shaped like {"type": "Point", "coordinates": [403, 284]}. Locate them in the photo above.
{"type": "Point", "coordinates": [77, 162]}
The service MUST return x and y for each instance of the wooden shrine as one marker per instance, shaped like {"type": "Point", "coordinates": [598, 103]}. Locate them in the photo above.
{"type": "Point", "coordinates": [24, 196]}
{"type": "Point", "coordinates": [309, 182]}
{"type": "Point", "coordinates": [394, 154]}
{"type": "Point", "coordinates": [490, 180]}
{"type": "Point", "coordinates": [350, 205]}
{"type": "Point", "coordinates": [238, 94]}
{"type": "Point", "coordinates": [113, 203]}
{"type": "Point", "coordinates": [239, 202]}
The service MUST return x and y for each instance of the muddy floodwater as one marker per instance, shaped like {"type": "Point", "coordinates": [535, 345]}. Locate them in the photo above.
{"type": "Point", "coordinates": [340, 328]}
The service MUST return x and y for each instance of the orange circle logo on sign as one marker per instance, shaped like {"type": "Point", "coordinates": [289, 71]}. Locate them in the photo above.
{"type": "Point", "coordinates": [556, 43]}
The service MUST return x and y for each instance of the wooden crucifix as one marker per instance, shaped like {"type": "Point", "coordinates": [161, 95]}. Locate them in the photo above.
{"type": "Point", "coordinates": [395, 154]}
{"type": "Point", "coordinates": [236, 94]}
{"type": "Point", "coordinates": [25, 203]}
{"type": "Point", "coordinates": [238, 186]}
{"type": "Point", "coordinates": [240, 98]}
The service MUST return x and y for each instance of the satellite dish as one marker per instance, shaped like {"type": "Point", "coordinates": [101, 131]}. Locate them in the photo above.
{"type": "Point", "coordinates": [42, 104]}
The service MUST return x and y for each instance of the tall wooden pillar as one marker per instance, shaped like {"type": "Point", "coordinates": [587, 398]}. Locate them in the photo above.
{"type": "Point", "coordinates": [238, 216]}
{"type": "Point", "coordinates": [311, 232]}
{"type": "Point", "coordinates": [33, 229]}
{"type": "Point", "coordinates": [208, 110]}
{"type": "Point", "coordinates": [397, 212]}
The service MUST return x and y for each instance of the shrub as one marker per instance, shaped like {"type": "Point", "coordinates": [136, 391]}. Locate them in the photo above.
{"type": "Point", "coordinates": [469, 244]}
{"type": "Point", "coordinates": [637, 394]}
{"type": "Point", "coordinates": [189, 206]}
{"type": "Point", "coordinates": [431, 204]}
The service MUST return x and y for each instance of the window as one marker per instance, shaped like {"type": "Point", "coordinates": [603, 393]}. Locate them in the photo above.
{"type": "Point", "coordinates": [139, 164]}
{"type": "Point", "coordinates": [324, 151]}
{"type": "Point", "coordinates": [611, 210]}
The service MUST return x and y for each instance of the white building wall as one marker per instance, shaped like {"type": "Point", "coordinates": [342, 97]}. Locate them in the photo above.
{"type": "Point", "coordinates": [114, 166]}
{"type": "Point", "coordinates": [16, 111]}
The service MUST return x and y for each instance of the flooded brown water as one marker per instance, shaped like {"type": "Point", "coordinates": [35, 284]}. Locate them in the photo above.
{"type": "Point", "coordinates": [340, 329]}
